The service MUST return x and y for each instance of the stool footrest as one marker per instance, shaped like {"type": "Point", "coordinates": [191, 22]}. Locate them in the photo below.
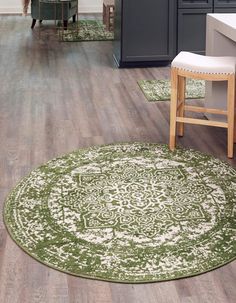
{"type": "Point", "coordinates": [199, 109]}
{"type": "Point", "coordinates": [202, 122]}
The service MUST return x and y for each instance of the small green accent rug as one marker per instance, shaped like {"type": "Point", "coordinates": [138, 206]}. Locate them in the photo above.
{"type": "Point", "coordinates": [159, 90]}
{"type": "Point", "coordinates": [86, 30]}
{"type": "Point", "coordinates": [132, 213]}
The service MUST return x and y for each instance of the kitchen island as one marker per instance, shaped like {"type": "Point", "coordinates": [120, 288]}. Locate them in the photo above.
{"type": "Point", "coordinates": [220, 41]}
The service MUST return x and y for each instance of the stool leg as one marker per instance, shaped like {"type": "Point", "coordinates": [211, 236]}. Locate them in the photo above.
{"type": "Point", "coordinates": [235, 112]}
{"type": "Point", "coordinates": [173, 108]}
{"type": "Point", "coordinates": [104, 14]}
{"type": "Point", "coordinates": [109, 22]}
{"type": "Point", "coordinates": [234, 122]}
{"type": "Point", "coordinates": [112, 15]}
{"type": "Point", "coordinates": [230, 110]}
{"type": "Point", "coordinates": [107, 16]}
{"type": "Point", "coordinates": [182, 83]}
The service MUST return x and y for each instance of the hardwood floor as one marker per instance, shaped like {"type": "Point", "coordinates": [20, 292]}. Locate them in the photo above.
{"type": "Point", "coordinates": [57, 97]}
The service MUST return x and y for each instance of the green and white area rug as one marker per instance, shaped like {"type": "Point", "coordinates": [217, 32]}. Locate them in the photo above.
{"type": "Point", "coordinates": [86, 30]}
{"type": "Point", "coordinates": [159, 90]}
{"type": "Point", "coordinates": [128, 213]}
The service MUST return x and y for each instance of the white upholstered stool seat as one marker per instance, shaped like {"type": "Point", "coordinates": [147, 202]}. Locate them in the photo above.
{"type": "Point", "coordinates": [204, 64]}
{"type": "Point", "coordinates": [189, 65]}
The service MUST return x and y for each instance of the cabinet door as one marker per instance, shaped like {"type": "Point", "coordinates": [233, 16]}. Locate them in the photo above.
{"type": "Point", "coordinates": [195, 3]}
{"type": "Point", "coordinates": [192, 30]}
{"type": "Point", "coordinates": [149, 30]}
{"type": "Point", "coordinates": [225, 3]}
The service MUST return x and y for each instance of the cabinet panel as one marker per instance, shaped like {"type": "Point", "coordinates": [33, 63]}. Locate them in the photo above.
{"type": "Point", "coordinates": [192, 30]}
{"type": "Point", "coordinates": [225, 3]}
{"type": "Point", "coordinates": [225, 10]}
{"type": "Point", "coordinates": [148, 30]}
{"type": "Point", "coordinates": [195, 3]}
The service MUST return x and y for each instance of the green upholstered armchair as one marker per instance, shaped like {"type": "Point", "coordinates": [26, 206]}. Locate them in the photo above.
{"type": "Point", "coordinates": [53, 10]}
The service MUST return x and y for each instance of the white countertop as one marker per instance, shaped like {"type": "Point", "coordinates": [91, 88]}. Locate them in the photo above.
{"type": "Point", "coordinates": [229, 19]}
{"type": "Point", "coordinates": [225, 23]}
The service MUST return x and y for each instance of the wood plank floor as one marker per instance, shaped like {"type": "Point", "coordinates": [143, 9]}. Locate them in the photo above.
{"type": "Point", "coordinates": [58, 97]}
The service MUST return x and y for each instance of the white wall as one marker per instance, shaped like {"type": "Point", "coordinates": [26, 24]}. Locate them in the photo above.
{"type": "Point", "coordinates": [85, 6]}
{"type": "Point", "coordinates": [89, 6]}
{"type": "Point", "coordinates": [10, 6]}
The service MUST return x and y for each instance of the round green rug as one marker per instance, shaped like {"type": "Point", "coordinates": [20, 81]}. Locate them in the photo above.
{"type": "Point", "coordinates": [128, 213]}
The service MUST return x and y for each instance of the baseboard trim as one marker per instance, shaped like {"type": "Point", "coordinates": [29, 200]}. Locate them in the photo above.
{"type": "Point", "coordinates": [11, 10]}
{"type": "Point", "coordinates": [85, 9]}
{"type": "Point", "coordinates": [82, 9]}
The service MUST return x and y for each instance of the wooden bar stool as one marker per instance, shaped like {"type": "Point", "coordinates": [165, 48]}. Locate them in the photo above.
{"type": "Point", "coordinates": [108, 14]}
{"type": "Point", "coordinates": [189, 65]}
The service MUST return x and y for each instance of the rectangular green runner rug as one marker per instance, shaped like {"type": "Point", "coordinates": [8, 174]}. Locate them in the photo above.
{"type": "Point", "coordinates": [86, 30]}
{"type": "Point", "coordinates": [159, 90]}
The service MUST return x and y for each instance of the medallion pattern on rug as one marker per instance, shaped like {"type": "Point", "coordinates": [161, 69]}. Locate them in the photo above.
{"type": "Point", "coordinates": [127, 212]}
{"type": "Point", "coordinates": [160, 90]}
{"type": "Point", "coordinates": [86, 30]}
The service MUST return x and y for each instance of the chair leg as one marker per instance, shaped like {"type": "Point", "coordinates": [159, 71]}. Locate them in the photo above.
{"type": "Point", "coordinates": [173, 108]}
{"type": "Point", "coordinates": [181, 96]}
{"type": "Point", "coordinates": [65, 24]}
{"type": "Point", "coordinates": [230, 110]}
{"type": "Point", "coordinates": [33, 23]}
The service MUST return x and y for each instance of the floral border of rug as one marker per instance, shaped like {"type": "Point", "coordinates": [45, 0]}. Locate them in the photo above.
{"type": "Point", "coordinates": [159, 90]}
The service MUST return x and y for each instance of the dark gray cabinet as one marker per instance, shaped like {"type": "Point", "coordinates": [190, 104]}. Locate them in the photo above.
{"type": "Point", "coordinates": [145, 32]}
{"type": "Point", "coordinates": [192, 29]}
